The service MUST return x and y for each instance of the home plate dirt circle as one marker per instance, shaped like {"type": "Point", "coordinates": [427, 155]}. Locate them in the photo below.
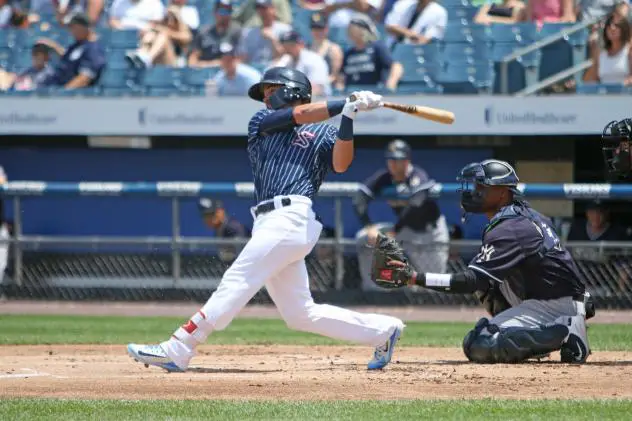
{"type": "Point", "coordinates": [302, 373]}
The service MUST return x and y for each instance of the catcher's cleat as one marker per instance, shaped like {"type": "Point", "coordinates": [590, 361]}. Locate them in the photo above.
{"type": "Point", "coordinates": [575, 348]}
{"type": "Point", "coordinates": [383, 353]}
{"type": "Point", "coordinates": [152, 355]}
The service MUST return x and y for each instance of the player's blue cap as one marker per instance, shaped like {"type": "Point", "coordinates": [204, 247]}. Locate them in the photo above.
{"type": "Point", "coordinates": [398, 149]}
{"type": "Point", "coordinates": [209, 206]}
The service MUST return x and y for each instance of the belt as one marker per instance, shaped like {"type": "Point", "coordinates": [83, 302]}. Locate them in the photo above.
{"type": "Point", "coordinates": [270, 206]}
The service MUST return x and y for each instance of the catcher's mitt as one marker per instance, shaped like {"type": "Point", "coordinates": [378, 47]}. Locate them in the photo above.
{"type": "Point", "coordinates": [390, 266]}
{"type": "Point", "coordinates": [493, 300]}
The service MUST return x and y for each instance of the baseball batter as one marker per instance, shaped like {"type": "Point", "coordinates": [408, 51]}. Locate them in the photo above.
{"type": "Point", "coordinates": [420, 227]}
{"type": "Point", "coordinates": [290, 153]}
{"type": "Point", "coordinates": [526, 279]}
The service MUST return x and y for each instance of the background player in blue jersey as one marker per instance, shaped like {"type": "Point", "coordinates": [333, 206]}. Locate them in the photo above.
{"type": "Point", "coordinates": [527, 280]}
{"type": "Point", "coordinates": [290, 152]}
{"type": "Point", "coordinates": [216, 218]}
{"type": "Point", "coordinates": [420, 228]}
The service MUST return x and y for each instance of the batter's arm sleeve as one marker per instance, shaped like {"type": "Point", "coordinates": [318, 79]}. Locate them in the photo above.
{"type": "Point", "coordinates": [277, 121]}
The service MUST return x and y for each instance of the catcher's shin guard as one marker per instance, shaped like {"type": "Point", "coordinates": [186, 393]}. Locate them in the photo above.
{"type": "Point", "coordinates": [488, 344]}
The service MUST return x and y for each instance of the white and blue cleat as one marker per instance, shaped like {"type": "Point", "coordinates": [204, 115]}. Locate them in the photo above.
{"type": "Point", "coordinates": [384, 353]}
{"type": "Point", "coordinates": [152, 355]}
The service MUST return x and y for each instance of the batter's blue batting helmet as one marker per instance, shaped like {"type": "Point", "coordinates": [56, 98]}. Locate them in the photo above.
{"type": "Point", "coordinates": [295, 87]}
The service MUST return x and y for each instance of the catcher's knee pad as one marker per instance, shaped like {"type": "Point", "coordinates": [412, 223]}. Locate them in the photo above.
{"type": "Point", "coordinates": [488, 344]}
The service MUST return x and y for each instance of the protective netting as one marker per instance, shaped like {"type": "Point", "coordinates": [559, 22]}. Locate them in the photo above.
{"type": "Point", "coordinates": [148, 273]}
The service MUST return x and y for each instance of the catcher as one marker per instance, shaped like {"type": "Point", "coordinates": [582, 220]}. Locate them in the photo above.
{"type": "Point", "coordinates": [524, 277]}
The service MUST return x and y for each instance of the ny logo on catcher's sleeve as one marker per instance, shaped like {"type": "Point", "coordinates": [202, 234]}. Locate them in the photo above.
{"type": "Point", "coordinates": [485, 253]}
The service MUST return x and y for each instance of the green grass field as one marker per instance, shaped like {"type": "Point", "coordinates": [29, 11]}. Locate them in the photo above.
{"type": "Point", "coordinates": [121, 330]}
{"type": "Point", "coordinates": [28, 330]}
{"type": "Point", "coordinates": [474, 410]}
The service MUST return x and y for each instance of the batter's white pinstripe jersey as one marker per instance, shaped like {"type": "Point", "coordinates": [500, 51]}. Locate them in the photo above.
{"type": "Point", "coordinates": [291, 162]}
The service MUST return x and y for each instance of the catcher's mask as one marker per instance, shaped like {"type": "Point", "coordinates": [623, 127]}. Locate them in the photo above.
{"type": "Point", "coordinates": [616, 138]}
{"type": "Point", "coordinates": [487, 173]}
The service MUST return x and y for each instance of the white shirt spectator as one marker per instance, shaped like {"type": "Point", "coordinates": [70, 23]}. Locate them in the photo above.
{"type": "Point", "coordinates": [430, 23]}
{"type": "Point", "coordinates": [137, 14]}
{"type": "Point", "coordinates": [616, 68]}
{"type": "Point", "coordinates": [312, 65]}
{"type": "Point", "coordinates": [341, 18]}
{"type": "Point", "coordinates": [245, 77]}
{"type": "Point", "coordinates": [5, 15]}
{"type": "Point", "coordinates": [256, 48]}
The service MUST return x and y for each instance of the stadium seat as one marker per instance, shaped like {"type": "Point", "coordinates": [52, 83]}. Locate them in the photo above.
{"type": "Point", "coordinates": [460, 79]}
{"type": "Point", "coordinates": [419, 53]}
{"type": "Point", "coordinates": [470, 33]}
{"type": "Point", "coordinates": [418, 88]}
{"type": "Point", "coordinates": [196, 78]}
{"type": "Point", "coordinates": [116, 78]}
{"type": "Point", "coordinates": [115, 59]}
{"type": "Point", "coordinates": [17, 93]}
{"type": "Point", "coordinates": [6, 58]}
{"type": "Point", "coordinates": [471, 53]}
{"type": "Point", "coordinates": [161, 80]}
{"type": "Point", "coordinates": [122, 39]}
{"type": "Point", "coordinates": [22, 60]}
{"type": "Point", "coordinates": [600, 88]}
{"type": "Point", "coordinates": [462, 13]}
{"type": "Point", "coordinates": [455, 3]}
{"type": "Point", "coordinates": [517, 32]}
{"type": "Point", "coordinates": [522, 72]}
{"type": "Point", "coordinates": [7, 37]}
{"type": "Point", "coordinates": [564, 53]}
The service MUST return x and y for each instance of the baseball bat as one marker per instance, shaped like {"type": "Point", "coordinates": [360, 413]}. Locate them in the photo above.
{"type": "Point", "coordinates": [428, 113]}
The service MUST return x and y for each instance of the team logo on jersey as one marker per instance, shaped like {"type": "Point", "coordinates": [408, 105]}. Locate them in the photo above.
{"type": "Point", "coordinates": [303, 139]}
{"type": "Point", "coordinates": [486, 253]}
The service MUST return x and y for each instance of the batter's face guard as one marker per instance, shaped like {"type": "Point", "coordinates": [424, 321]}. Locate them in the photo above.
{"type": "Point", "coordinates": [479, 181]}
{"type": "Point", "coordinates": [616, 138]}
{"type": "Point", "coordinates": [293, 87]}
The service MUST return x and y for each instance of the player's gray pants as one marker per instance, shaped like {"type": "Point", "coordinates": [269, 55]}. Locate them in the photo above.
{"type": "Point", "coordinates": [517, 333]}
{"type": "Point", "coordinates": [420, 248]}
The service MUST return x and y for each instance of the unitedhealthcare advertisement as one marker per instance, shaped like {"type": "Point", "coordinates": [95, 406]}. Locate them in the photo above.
{"type": "Point", "coordinates": [475, 115]}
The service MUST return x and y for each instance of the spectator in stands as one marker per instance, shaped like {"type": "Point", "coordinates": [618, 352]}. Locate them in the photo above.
{"type": "Point", "coordinates": [416, 22]}
{"type": "Point", "coordinates": [613, 64]}
{"type": "Point", "coordinates": [509, 11]}
{"type": "Point", "coordinates": [35, 76]}
{"type": "Point", "coordinates": [160, 44]}
{"type": "Point", "coordinates": [234, 78]}
{"type": "Point", "coordinates": [597, 226]}
{"type": "Point", "coordinates": [544, 11]}
{"type": "Point", "coordinates": [215, 217]}
{"type": "Point", "coordinates": [340, 12]}
{"type": "Point", "coordinates": [598, 9]}
{"type": "Point", "coordinates": [11, 16]}
{"type": "Point", "coordinates": [205, 51]}
{"type": "Point", "coordinates": [368, 62]}
{"type": "Point", "coordinates": [91, 8]}
{"type": "Point", "coordinates": [189, 14]}
{"type": "Point", "coordinates": [248, 15]}
{"type": "Point", "coordinates": [308, 62]}
{"type": "Point", "coordinates": [136, 14]}
{"type": "Point", "coordinates": [328, 50]}
{"type": "Point", "coordinates": [82, 62]}
{"type": "Point", "coordinates": [260, 45]}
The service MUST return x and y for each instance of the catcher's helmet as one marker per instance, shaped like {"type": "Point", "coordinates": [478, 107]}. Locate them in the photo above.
{"type": "Point", "coordinates": [398, 149]}
{"type": "Point", "coordinates": [490, 172]}
{"type": "Point", "coordinates": [616, 138]}
{"type": "Point", "coordinates": [296, 87]}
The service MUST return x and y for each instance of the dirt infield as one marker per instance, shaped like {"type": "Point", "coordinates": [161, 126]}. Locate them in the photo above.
{"type": "Point", "coordinates": [302, 373]}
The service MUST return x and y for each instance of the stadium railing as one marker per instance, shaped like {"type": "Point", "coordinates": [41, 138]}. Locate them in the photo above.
{"type": "Point", "coordinates": [539, 45]}
{"type": "Point", "coordinates": [606, 266]}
